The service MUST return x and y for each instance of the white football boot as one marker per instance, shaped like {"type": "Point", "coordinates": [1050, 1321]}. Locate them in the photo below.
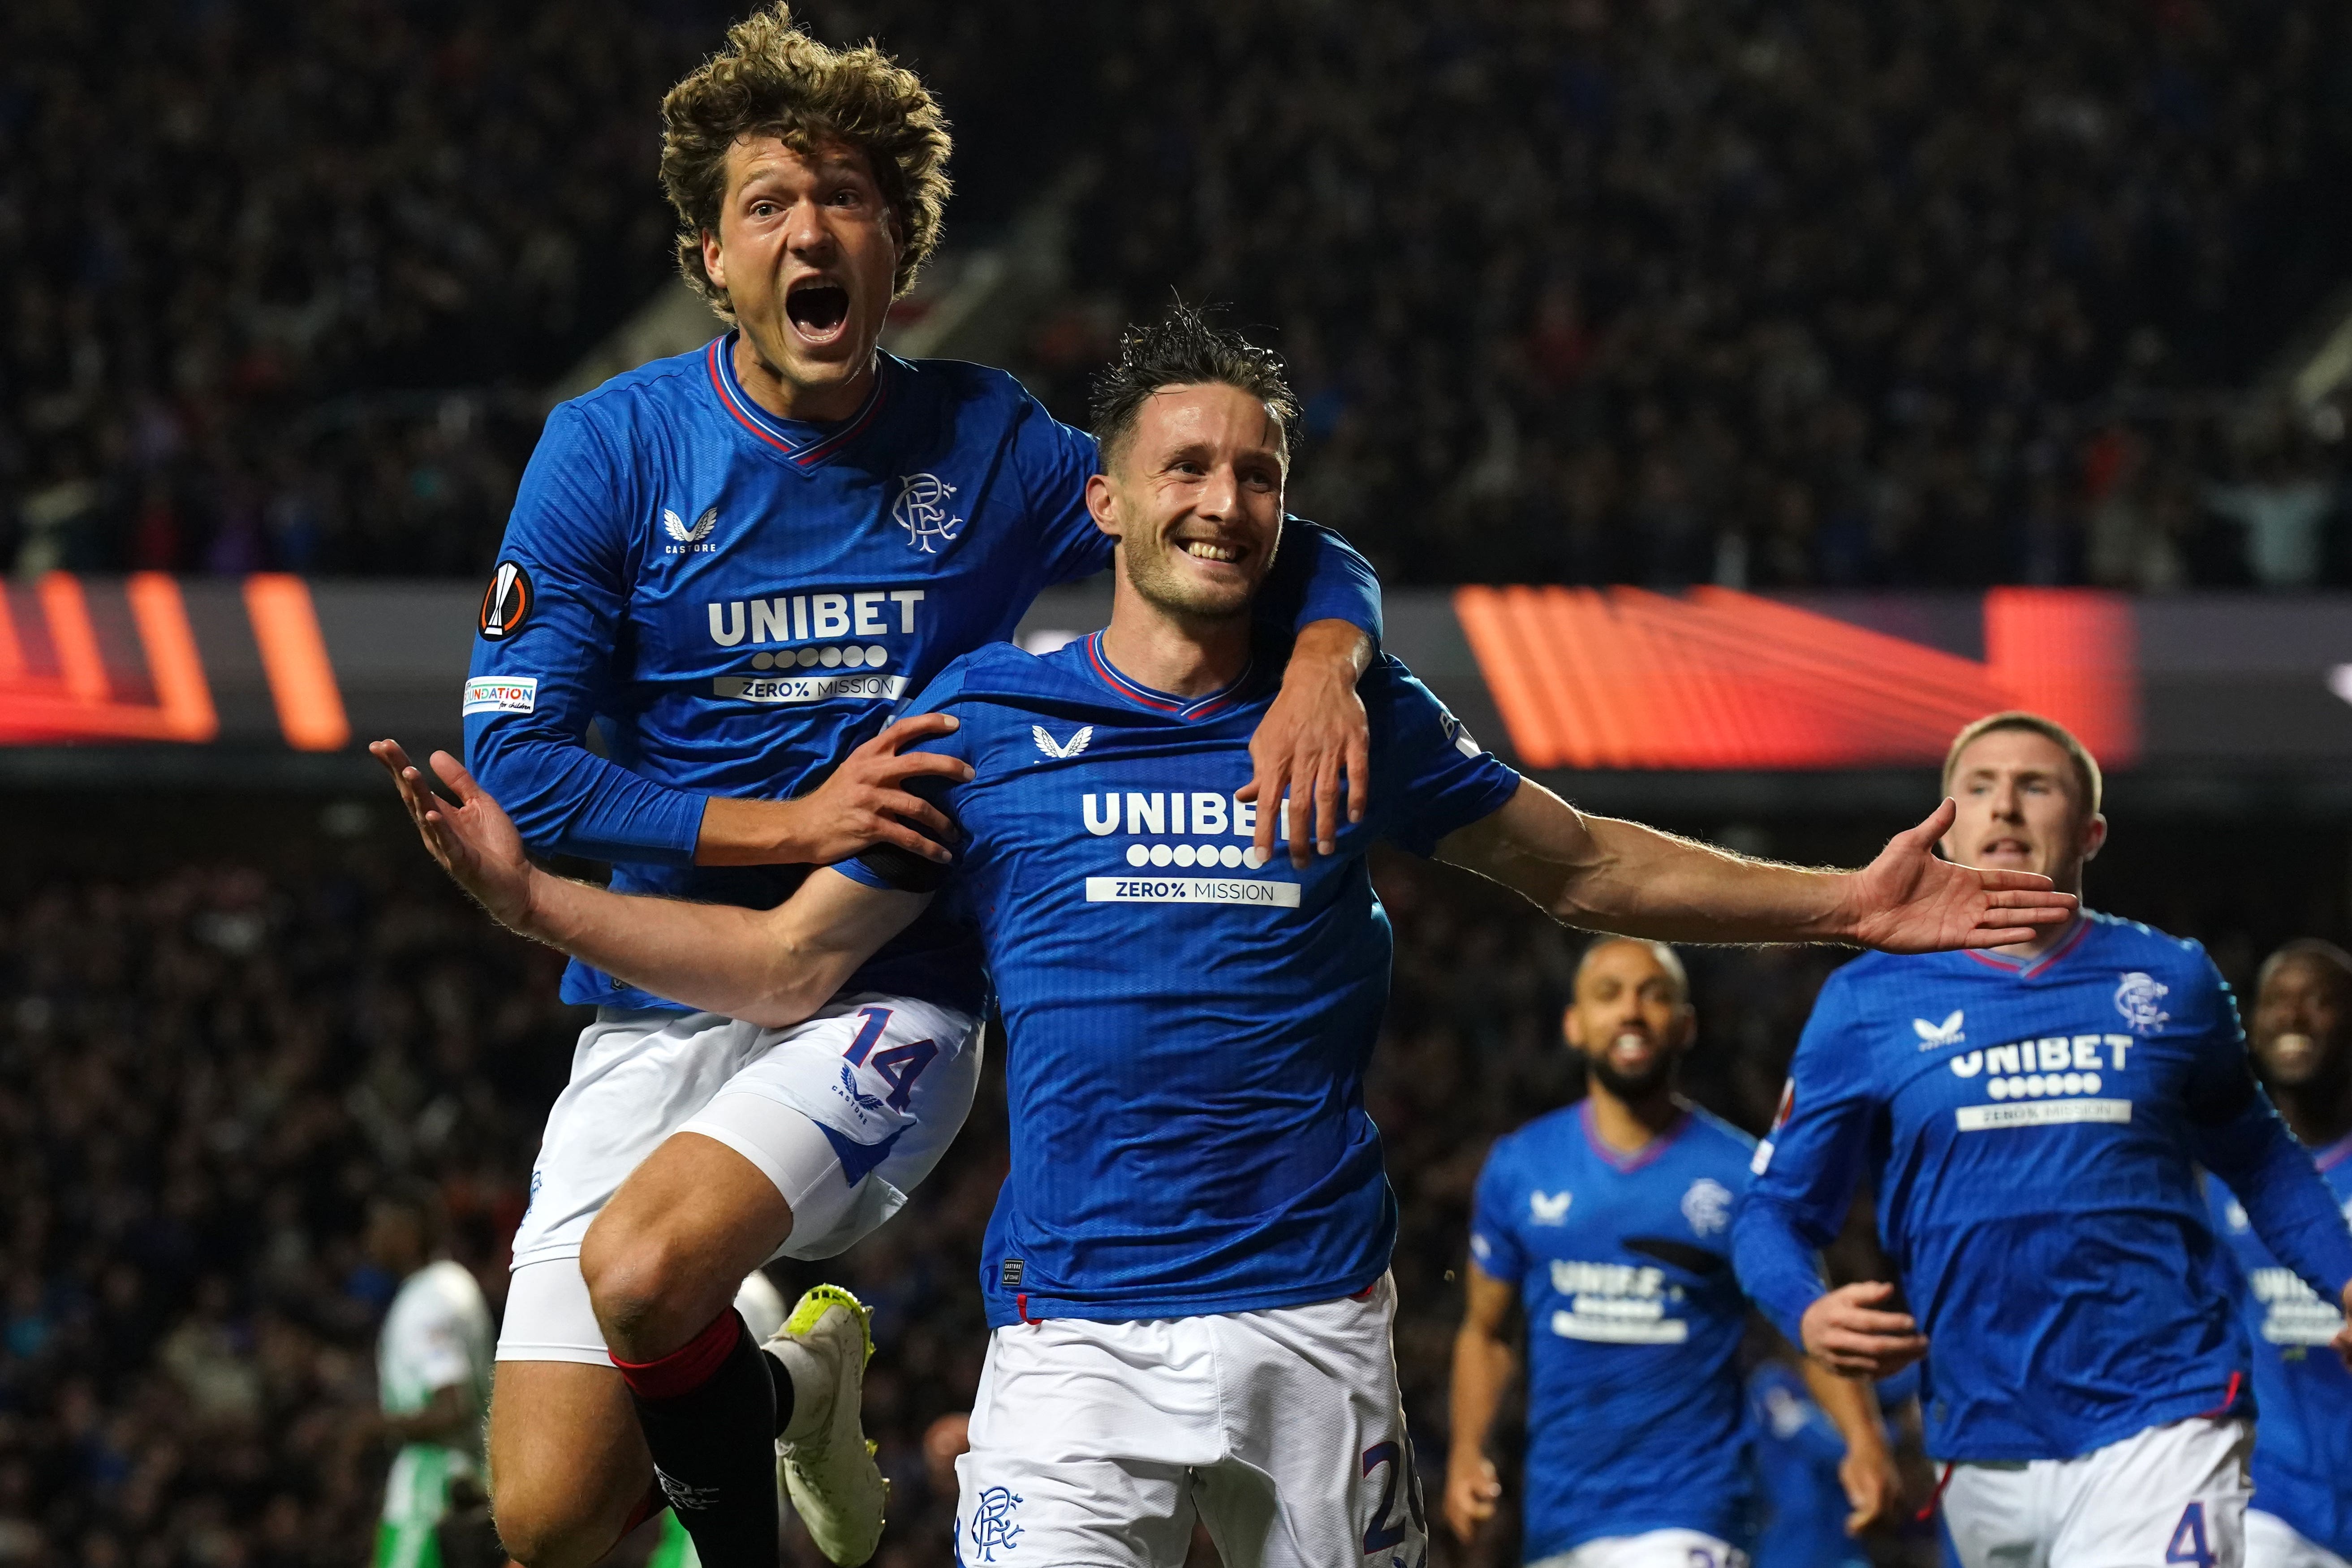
{"type": "Point", "coordinates": [823, 1463]}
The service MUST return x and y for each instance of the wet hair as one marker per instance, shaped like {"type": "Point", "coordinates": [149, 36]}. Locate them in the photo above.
{"type": "Point", "coordinates": [1668, 959]}
{"type": "Point", "coordinates": [2088, 784]}
{"type": "Point", "coordinates": [2310, 949]}
{"type": "Point", "coordinates": [1184, 349]}
{"type": "Point", "coordinates": [773, 79]}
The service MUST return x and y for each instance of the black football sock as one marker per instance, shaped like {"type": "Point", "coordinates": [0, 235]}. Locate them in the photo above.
{"type": "Point", "coordinates": [709, 1411]}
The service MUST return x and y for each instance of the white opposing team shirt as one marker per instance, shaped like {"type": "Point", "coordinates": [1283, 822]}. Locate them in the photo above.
{"type": "Point", "coordinates": [438, 1335]}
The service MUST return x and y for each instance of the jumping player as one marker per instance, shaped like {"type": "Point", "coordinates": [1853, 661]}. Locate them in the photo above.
{"type": "Point", "coordinates": [2030, 1120]}
{"type": "Point", "coordinates": [734, 562]}
{"type": "Point", "coordinates": [2301, 1040]}
{"type": "Point", "coordinates": [1611, 1221]}
{"type": "Point", "coordinates": [1186, 1267]}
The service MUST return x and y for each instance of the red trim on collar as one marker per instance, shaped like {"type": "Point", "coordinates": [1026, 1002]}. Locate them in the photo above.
{"type": "Point", "coordinates": [2040, 965]}
{"type": "Point", "coordinates": [1625, 1165]}
{"type": "Point", "coordinates": [1158, 704]}
{"type": "Point", "coordinates": [801, 456]}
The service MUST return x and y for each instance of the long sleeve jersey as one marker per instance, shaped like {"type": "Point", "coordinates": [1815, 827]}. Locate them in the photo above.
{"type": "Point", "coordinates": [736, 601]}
{"type": "Point", "coordinates": [2033, 1131]}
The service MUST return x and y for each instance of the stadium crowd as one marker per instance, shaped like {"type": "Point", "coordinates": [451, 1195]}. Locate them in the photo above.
{"type": "Point", "coordinates": [207, 1068]}
{"type": "Point", "coordinates": [1779, 293]}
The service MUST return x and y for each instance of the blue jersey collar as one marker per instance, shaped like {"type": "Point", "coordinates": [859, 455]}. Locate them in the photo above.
{"type": "Point", "coordinates": [2034, 968]}
{"type": "Point", "coordinates": [1617, 1159]}
{"type": "Point", "coordinates": [1142, 696]}
{"type": "Point", "coordinates": [803, 444]}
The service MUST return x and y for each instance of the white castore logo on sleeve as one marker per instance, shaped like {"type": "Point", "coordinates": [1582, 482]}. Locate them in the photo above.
{"type": "Point", "coordinates": [1548, 1208]}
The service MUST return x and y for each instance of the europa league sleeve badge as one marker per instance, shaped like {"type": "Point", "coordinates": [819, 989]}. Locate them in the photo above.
{"type": "Point", "coordinates": [505, 603]}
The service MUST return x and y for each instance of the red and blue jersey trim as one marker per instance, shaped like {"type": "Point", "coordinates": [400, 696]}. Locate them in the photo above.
{"type": "Point", "coordinates": [2033, 969]}
{"type": "Point", "coordinates": [1620, 1161]}
{"type": "Point", "coordinates": [802, 451]}
{"type": "Point", "coordinates": [2334, 1154]}
{"type": "Point", "coordinates": [1187, 709]}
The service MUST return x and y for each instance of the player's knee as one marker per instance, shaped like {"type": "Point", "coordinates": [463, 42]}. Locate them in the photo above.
{"type": "Point", "coordinates": [545, 1526]}
{"type": "Point", "coordinates": [643, 1285]}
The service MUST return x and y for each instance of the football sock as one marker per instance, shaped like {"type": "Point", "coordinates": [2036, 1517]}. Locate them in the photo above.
{"type": "Point", "coordinates": [709, 1410]}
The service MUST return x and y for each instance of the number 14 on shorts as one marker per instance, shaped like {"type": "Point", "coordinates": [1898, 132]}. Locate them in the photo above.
{"type": "Point", "coordinates": [897, 1066]}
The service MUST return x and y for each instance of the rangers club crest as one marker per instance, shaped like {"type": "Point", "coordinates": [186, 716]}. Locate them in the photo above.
{"type": "Point", "coordinates": [2139, 998]}
{"type": "Point", "coordinates": [921, 510]}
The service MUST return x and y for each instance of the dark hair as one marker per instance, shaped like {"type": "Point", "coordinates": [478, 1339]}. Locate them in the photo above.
{"type": "Point", "coordinates": [2089, 786]}
{"type": "Point", "coordinates": [2327, 955]}
{"type": "Point", "coordinates": [1182, 349]}
{"type": "Point", "coordinates": [773, 79]}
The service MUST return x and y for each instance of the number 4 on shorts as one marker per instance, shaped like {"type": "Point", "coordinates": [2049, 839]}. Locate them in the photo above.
{"type": "Point", "coordinates": [2188, 1544]}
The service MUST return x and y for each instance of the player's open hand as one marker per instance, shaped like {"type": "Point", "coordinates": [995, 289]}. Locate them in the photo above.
{"type": "Point", "coordinates": [1314, 735]}
{"type": "Point", "coordinates": [474, 840]}
{"type": "Point", "coordinates": [1850, 1331]}
{"type": "Point", "coordinates": [1471, 1491]}
{"type": "Point", "coordinates": [867, 800]}
{"type": "Point", "coordinates": [1909, 900]}
{"type": "Point", "coordinates": [1874, 1489]}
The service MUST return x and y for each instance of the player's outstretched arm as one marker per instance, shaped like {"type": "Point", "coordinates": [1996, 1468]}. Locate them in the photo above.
{"type": "Point", "coordinates": [772, 966]}
{"type": "Point", "coordinates": [1606, 875]}
{"type": "Point", "coordinates": [1483, 1366]}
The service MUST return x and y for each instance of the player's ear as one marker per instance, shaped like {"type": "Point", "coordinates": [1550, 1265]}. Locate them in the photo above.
{"type": "Point", "coordinates": [1571, 1027]}
{"type": "Point", "coordinates": [2095, 835]}
{"type": "Point", "coordinates": [714, 260]}
{"type": "Point", "coordinates": [1102, 502]}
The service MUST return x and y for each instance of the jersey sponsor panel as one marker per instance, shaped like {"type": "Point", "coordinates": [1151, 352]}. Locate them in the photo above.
{"type": "Point", "coordinates": [1217, 1158]}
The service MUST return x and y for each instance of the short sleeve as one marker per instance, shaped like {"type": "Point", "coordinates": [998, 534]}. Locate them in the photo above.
{"type": "Point", "coordinates": [888, 866]}
{"type": "Point", "coordinates": [1494, 1244]}
{"type": "Point", "coordinates": [1429, 775]}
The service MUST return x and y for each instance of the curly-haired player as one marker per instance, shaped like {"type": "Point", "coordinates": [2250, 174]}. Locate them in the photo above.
{"type": "Point", "coordinates": [736, 561]}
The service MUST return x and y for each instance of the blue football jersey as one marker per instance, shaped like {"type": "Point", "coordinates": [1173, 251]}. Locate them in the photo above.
{"type": "Point", "coordinates": [2030, 1131]}
{"type": "Point", "coordinates": [736, 601]}
{"type": "Point", "coordinates": [2303, 1445]}
{"type": "Point", "coordinates": [1187, 1031]}
{"type": "Point", "coordinates": [1634, 1318]}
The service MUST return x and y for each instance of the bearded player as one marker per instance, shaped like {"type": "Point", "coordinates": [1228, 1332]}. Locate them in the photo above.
{"type": "Point", "coordinates": [2301, 1041]}
{"type": "Point", "coordinates": [2031, 1120]}
{"type": "Point", "coordinates": [734, 562]}
{"type": "Point", "coordinates": [1610, 1223]}
{"type": "Point", "coordinates": [1186, 1270]}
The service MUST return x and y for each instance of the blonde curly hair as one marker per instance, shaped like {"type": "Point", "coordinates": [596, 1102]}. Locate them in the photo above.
{"type": "Point", "coordinates": [773, 79]}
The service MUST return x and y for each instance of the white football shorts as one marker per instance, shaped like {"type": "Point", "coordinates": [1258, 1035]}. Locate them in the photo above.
{"type": "Point", "coordinates": [1649, 1549]}
{"type": "Point", "coordinates": [2272, 1542]}
{"type": "Point", "coordinates": [1098, 1445]}
{"type": "Point", "coordinates": [2172, 1494]}
{"type": "Point", "coordinates": [845, 1112]}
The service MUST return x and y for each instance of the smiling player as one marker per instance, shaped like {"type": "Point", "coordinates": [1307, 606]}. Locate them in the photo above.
{"type": "Point", "coordinates": [2301, 1040]}
{"type": "Point", "coordinates": [1610, 1221]}
{"type": "Point", "coordinates": [734, 562]}
{"type": "Point", "coordinates": [2030, 1121]}
{"type": "Point", "coordinates": [1192, 1243]}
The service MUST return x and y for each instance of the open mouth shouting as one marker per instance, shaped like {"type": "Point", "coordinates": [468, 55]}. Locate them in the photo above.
{"type": "Point", "coordinates": [818, 308]}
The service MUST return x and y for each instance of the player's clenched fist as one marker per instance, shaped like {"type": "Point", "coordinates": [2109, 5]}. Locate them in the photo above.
{"type": "Point", "coordinates": [1472, 1490]}
{"type": "Point", "coordinates": [873, 797]}
{"type": "Point", "coordinates": [474, 840]}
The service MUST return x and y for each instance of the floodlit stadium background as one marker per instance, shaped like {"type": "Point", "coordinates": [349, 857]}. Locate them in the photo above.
{"type": "Point", "coordinates": [1735, 397]}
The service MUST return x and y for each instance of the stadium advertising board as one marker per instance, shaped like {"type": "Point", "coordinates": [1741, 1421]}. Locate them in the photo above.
{"type": "Point", "coordinates": [1559, 680]}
